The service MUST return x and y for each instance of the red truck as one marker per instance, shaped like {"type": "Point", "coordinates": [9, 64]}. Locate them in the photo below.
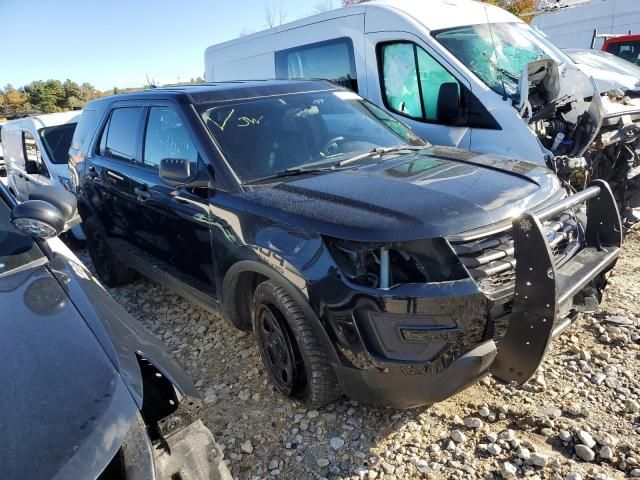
{"type": "Point", "coordinates": [624, 46]}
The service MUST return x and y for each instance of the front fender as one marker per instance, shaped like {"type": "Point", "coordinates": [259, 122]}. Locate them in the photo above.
{"type": "Point", "coordinates": [121, 336]}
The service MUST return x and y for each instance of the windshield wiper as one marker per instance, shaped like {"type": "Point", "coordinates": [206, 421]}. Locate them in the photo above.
{"type": "Point", "coordinates": [378, 152]}
{"type": "Point", "coordinates": [290, 172]}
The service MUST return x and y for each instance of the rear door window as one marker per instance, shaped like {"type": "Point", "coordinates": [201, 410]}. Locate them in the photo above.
{"type": "Point", "coordinates": [330, 60]}
{"type": "Point", "coordinates": [119, 137]}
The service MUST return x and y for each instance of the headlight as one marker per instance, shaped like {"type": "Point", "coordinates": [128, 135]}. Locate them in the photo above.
{"type": "Point", "coordinates": [378, 265]}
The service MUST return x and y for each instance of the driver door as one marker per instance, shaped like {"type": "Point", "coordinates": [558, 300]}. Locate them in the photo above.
{"type": "Point", "coordinates": [405, 78]}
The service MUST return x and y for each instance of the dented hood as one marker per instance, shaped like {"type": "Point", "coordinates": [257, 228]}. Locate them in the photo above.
{"type": "Point", "coordinates": [436, 192]}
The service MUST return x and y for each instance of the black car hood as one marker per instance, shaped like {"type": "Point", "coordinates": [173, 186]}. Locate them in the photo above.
{"type": "Point", "coordinates": [64, 410]}
{"type": "Point", "coordinates": [436, 192]}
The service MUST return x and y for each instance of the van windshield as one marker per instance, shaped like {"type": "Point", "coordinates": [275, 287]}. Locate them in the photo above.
{"type": "Point", "coordinates": [57, 141]}
{"type": "Point", "coordinates": [265, 136]}
{"type": "Point", "coordinates": [497, 53]}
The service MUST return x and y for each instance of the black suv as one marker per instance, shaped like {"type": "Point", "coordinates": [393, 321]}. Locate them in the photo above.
{"type": "Point", "coordinates": [365, 260]}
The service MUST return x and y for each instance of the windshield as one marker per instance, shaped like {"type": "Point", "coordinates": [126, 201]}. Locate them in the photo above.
{"type": "Point", "coordinates": [16, 249]}
{"type": "Point", "coordinates": [264, 136]}
{"type": "Point", "coordinates": [497, 53]}
{"type": "Point", "coordinates": [57, 141]}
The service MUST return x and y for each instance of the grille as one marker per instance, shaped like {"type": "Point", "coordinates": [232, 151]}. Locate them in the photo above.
{"type": "Point", "coordinates": [491, 262]}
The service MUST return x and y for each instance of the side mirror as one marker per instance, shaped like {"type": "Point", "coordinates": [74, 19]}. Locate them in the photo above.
{"type": "Point", "coordinates": [38, 219]}
{"type": "Point", "coordinates": [65, 202]}
{"type": "Point", "coordinates": [448, 108]}
{"type": "Point", "coordinates": [175, 171]}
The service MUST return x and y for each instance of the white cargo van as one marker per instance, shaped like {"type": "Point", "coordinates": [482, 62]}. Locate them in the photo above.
{"type": "Point", "coordinates": [36, 153]}
{"type": "Point", "coordinates": [459, 72]}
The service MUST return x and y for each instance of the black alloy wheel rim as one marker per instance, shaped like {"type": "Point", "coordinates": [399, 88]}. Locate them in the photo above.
{"type": "Point", "coordinates": [276, 349]}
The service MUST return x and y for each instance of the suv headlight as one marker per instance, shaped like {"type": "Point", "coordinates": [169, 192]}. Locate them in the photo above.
{"type": "Point", "coordinates": [378, 265]}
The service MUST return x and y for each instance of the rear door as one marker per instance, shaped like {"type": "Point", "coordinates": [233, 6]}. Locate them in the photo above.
{"type": "Point", "coordinates": [116, 154]}
{"type": "Point", "coordinates": [171, 226]}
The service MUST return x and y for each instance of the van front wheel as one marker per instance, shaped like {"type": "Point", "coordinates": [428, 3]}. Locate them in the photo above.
{"type": "Point", "coordinates": [297, 364]}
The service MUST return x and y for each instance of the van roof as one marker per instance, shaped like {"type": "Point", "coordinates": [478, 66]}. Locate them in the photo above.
{"type": "Point", "coordinates": [46, 120]}
{"type": "Point", "coordinates": [431, 14]}
{"type": "Point", "coordinates": [201, 93]}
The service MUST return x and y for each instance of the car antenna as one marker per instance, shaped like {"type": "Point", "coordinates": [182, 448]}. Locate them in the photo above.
{"type": "Point", "coordinates": [493, 42]}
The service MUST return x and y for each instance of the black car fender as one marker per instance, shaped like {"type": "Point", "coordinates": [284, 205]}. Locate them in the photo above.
{"type": "Point", "coordinates": [232, 282]}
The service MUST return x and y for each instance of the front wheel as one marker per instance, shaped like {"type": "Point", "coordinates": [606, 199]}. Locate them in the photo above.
{"type": "Point", "coordinates": [296, 362]}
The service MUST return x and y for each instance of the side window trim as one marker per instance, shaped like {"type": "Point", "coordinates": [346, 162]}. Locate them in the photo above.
{"type": "Point", "coordinates": [281, 60]}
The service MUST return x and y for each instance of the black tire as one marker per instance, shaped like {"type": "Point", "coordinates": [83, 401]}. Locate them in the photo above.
{"type": "Point", "coordinates": [307, 375]}
{"type": "Point", "coordinates": [112, 272]}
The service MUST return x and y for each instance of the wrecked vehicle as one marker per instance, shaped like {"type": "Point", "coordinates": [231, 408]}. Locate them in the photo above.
{"type": "Point", "coordinates": [95, 393]}
{"type": "Point", "coordinates": [460, 73]}
{"type": "Point", "coordinates": [365, 260]}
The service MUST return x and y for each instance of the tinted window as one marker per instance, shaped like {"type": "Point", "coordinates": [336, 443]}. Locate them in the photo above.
{"type": "Point", "coordinates": [57, 141]}
{"type": "Point", "coordinates": [120, 135]}
{"type": "Point", "coordinates": [166, 137]}
{"type": "Point", "coordinates": [16, 249]}
{"type": "Point", "coordinates": [412, 80]}
{"type": "Point", "coordinates": [331, 60]}
{"type": "Point", "coordinates": [262, 137]}
{"type": "Point", "coordinates": [86, 123]}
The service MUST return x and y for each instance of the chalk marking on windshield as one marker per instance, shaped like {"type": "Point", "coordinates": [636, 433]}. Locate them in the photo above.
{"type": "Point", "coordinates": [221, 127]}
{"type": "Point", "coordinates": [248, 121]}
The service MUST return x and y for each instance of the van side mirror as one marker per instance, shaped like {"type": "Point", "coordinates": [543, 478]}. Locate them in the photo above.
{"type": "Point", "coordinates": [448, 107]}
{"type": "Point", "coordinates": [175, 171]}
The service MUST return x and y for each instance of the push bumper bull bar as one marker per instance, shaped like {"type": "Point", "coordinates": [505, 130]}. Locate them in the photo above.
{"type": "Point", "coordinates": [544, 293]}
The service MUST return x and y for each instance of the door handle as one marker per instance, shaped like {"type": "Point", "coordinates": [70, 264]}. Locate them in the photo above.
{"type": "Point", "coordinates": [20, 175]}
{"type": "Point", "coordinates": [142, 193]}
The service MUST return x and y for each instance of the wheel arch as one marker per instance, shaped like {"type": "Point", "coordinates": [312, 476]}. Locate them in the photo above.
{"type": "Point", "coordinates": [238, 306]}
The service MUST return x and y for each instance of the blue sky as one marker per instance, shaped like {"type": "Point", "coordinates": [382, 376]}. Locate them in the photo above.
{"type": "Point", "coordinates": [119, 42]}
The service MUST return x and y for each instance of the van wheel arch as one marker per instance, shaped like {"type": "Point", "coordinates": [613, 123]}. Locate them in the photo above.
{"type": "Point", "coordinates": [239, 286]}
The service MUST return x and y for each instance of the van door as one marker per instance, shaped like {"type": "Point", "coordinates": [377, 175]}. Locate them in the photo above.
{"type": "Point", "coordinates": [415, 84]}
{"type": "Point", "coordinates": [27, 165]}
{"type": "Point", "coordinates": [36, 170]}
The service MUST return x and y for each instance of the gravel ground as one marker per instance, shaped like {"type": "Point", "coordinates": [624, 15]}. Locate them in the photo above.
{"type": "Point", "coordinates": [579, 418]}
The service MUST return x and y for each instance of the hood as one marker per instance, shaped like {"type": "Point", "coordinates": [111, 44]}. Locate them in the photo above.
{"type": "Point", "coordinates": [61, 393]}
{"type": "Point", "coordinates": [436, 192]}
{"type": "Point", "coordinates": [610, 79]}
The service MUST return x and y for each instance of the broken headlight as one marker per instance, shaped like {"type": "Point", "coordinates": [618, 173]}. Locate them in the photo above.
{"type": "Point", "coordinates": [383, 265]}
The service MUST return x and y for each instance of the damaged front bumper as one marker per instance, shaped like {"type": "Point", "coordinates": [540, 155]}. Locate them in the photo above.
{"type": "Point", "coordinates": [421, 344]}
